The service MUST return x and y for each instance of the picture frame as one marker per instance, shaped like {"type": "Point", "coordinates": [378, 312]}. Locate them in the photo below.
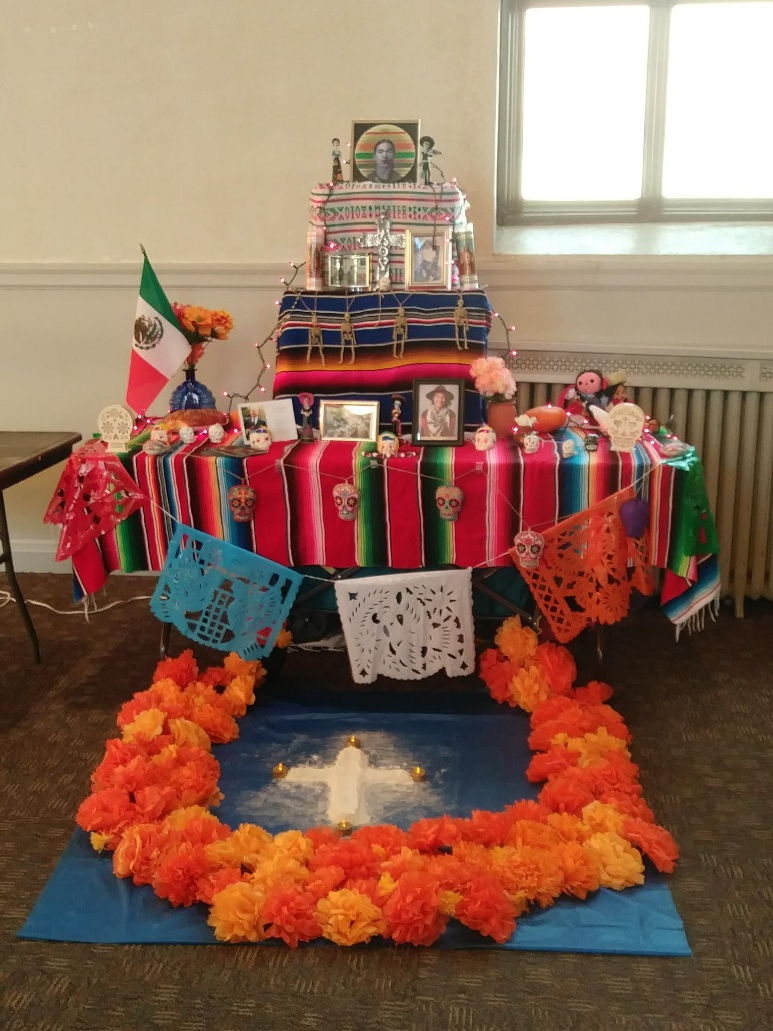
{"type": "Point", "coordinates": [277, 415]}
{"type": "Point", "coordinates": [438, 412]}
{"type": "Point", "coordinates": [397, 161]}
{"type": "Point", "coordinates": [348, 420]}
{"type": "Point", "coordinates": [428, 258]}
{"type": "Point", "coordinates": [348, 271]}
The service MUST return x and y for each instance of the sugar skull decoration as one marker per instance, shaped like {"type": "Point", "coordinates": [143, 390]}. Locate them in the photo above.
{"type": "Point", "coordinates": [157, 443]}
{"type": "Point", "coordinates": [241, 501]}
{"type": "Point", "coordinates": [528, 548]}
{"type": "Point", "coordinates": [485, 438]}
{"type": "Point", "coordinates": [187, 434]}
{"type": "Point", "coordinates": [449, 502]}
{"type": "Point", "coordinates": [259, 439]}
{"type": "Point", "coordinates": [215, 433]}
{"type": "Point", "coordinates": [115, 426]}
{"type": "Point", "coordinates": [625, 423]}
{"type": "Point", "coordinates": [387, 444]}
{"type": "Point", "coordinates": [531, 443]}
{"type": "Point", "coordinates": [347, 499]}
{"type": "Point", "coordinates": [568, 448]}
{"type": "Point", "coordinates": [160, 435]}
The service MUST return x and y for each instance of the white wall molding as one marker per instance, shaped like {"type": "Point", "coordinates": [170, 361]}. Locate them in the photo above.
{"type": "Point", "coordinates": [126, 275]}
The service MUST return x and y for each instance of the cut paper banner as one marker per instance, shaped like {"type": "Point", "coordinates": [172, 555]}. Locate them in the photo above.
{"type": "Point", "coordinates": [223, 596]}
{"type": "Point", "coordinates": [588, 568]}
{"type": "Point", "coordinates": [159, 346]}
{"type": "Point", "coordinates": [408, 627]}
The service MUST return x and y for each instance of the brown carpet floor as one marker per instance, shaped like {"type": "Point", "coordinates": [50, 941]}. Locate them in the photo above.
{"type": "Point", "coordinates": [701, 716]}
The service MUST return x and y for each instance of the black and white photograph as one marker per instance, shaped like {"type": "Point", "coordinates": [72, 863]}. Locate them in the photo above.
{"type": "Point", "coordinates": [438, 411]}
{"type": "Point", "coordinates": [428, 259]}
{"type": "Point", "coordinates": [348, 420]}
{"type": "Point", "coordinates": [347, 270]}
{"type": "Point", "coordinates": [385, 152]}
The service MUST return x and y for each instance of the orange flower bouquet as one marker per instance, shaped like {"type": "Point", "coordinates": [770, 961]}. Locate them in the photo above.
{"type": "Point", "coordinates": [201, 326]}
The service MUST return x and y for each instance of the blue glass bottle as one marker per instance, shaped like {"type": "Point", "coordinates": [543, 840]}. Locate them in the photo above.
{"type": "Point", "coordinates": [191, 394]}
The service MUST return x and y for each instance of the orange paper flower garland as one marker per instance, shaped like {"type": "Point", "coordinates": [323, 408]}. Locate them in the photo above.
{"type": "Point", "coordinates": [154, 788]}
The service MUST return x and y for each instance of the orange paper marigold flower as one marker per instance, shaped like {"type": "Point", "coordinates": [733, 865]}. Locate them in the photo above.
{"type": "Point", "coordinates": [655, 842]}
{"type": "Point", "coordinates": [182, 669]}
{"type": "Point", "coordinates": [557, 664]}
{"type": "Point", "coordinates": [290, 911]}
{"type": "Point", "coordinates": [519, 643]}
{"type": "Point", "coordinates": [529, 687]}
{"type": "Point", "coordinates": [349, 918]}
{"type": "Point", "coordinates": [236, 914]}
{"type": "Point", "coordinates": [412, 911]}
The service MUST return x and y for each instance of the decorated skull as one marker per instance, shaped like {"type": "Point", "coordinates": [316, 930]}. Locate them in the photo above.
{"type": "Point", "coordinates": [624, 426]}
{"type": "Point", "coordinates": [347, 499]}
{"type": "Point", "coordinates": [241, 500]}
{"type": "Point", "coordinates": [528, 548]}
{"type": "Point", "coordinates": [592, 442]}
{"type": "Point", "coordinates": [187, 434]}
{"type": "Point", "coordinates": [485, 438]}
{"type": "Point", "coordinates": [568, 448]}
{"type": "Point", "coordinates": [215, 432]}
{"type": "Point", "coordinates": [259, 439]}
{"type": "Point", "coordinates": [531, 443]}
{"type": "Point", "coordinates": [159, 435]}
{"type": "Point", "coordinates": [449, 502]}
{"type": "Point", "coordinates": [387, 444]}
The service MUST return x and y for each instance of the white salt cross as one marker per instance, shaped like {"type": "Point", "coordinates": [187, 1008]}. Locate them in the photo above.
{"type": "Point", "coordinates": [346, 781]}
{"type": "Point", "coordinates": [383, 239]}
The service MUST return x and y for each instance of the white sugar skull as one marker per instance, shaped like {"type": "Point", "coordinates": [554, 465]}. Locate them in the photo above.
{"type": "Point", "coordinates": [216, 433]}
{"type": "Point", "coordinates": [115, 424]}
{"type": "Point", "coordinates": [259, 439]}
{"type": "Point", "coordinates": [187, 434]}
{"type": "Point", "coordinates": [347, 499]}
{"type": "Point", "coordinates": [159, 435]}
{"type": "Point", "coordinates": [485, 438]}
{"type": "Point", "coordinates": [155, 447]}
{"type": "Point", "coordinates": [387, 444]}
{"type": "Point", "coordinates": [625, 425]}
{"type": "Point", "coordinates": [568, 449]}
{"type": "Point", "coordinates": [449, 502]}
{"type": "Point", "coordinates": [528, 548]}
{"type": "Point", "coordinates": [531, 443]}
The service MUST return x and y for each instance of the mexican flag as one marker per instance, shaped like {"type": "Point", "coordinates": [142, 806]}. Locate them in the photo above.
{"type": "Point", "coordinates": [159, 347]}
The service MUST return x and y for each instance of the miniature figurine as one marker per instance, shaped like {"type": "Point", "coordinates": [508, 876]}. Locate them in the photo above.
{"type": "Point", "coordinates": [338, 172]}
{"type": "Point", "coordinates": [616, 382]}
{"type": "Point", "coordinates": [307, 402]}
{"type": "Point", "coordinates": [347, 337]}
{"type": "Point", "coordinates": [399, 333]}
{"type": "Point", "coordinates": [589, 388]}
{"type": "Point", "coordinates": [461, 325]}
{"type": "Point", "coordinates": [428, 151]}
{"type": "Point", "coordinates": [396, 416]}
{"type": "Point", "coordinates": [315, 340]}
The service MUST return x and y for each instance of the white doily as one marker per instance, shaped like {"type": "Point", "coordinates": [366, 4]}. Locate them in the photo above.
{"type": "Point", "coordinates": [408, 626]}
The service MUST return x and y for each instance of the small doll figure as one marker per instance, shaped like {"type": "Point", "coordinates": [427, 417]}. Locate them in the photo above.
{"type": "Point", "coordinates": [617, 387]}
{"type": "Point", "coordinates": [428, 151]}
{"type": "Point", "coordinates": [338, 172]}
{"type": "Point", "coordinates": [307, 401]}
{"type": "Point", "coordinates": [396, 416]}
{"type": "Point", "coordinates": [590, 388]}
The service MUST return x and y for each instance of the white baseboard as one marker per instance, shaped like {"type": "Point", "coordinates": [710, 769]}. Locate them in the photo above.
{"type": "Point", "coordinates": [31, 556]}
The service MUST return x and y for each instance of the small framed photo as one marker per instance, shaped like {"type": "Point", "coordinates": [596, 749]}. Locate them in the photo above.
{"type": "Point", "coordinates": [348, 420]}
{"type": "Point", "coordinates": [277, 416]}
{"type": "Point", "coordinates": [438, 411]}
{"type": "Point", "coordinates": [385, 152]}
{"type": "Point", "coordinates": [428, 258]}
{"type": "Point", "coordinates": [347, 270]}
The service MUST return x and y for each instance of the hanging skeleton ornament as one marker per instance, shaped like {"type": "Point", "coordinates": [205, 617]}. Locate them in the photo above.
{"type": "Point", "coordinates": [625, 423]}
{"type": "Point", "coordinates": [347, 338]}
{"type": "Point", "coordinates": [347, 499]}
{"type": "Point", "coordinates": [528, 548]}
{"type": "Point", "coordinates": [241, 501]}
{"type": "Point", "coordinates": [461, 325]}
{"type": "Point", "coordinates": [449, 502]}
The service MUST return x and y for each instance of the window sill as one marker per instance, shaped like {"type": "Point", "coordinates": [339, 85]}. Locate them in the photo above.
{"type": "Point", "coordinates": [686, 239]}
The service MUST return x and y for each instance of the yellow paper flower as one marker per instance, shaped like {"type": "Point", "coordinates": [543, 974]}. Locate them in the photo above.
{"type": "Point", "coordinates": [449, 900]}
{"type": "Point", "coordinates": [235, 914]}
{"type": "Point", "coordinates": [595, 747]}
{"type": "Point", "coordinates": [99, 841]}
{"type": "Point", "coordinates": [619, 863]}
{"type": "Point", "coordinates": [240, 692]}
{"type": "Point", "coordinates": [186, 732]}
{"type": "Point", "coordinates": [386, 883]}
{"type": "Point", "coordinates": [242, 847]}
{"type": "Point", "coordinates": [598, 816]}
{"type": "Point", "coordinates": [145, 725]}
{"type": "Point", "coordinates": [295, 844]}
{"type": "Point", "coordinates": [519, 643]}
{"type": "Point", "coordinates": [284, 637]}
{"type": "Point", "coordinates": [277, 867]}
{"type": "Point", "coordinates": [241, 667]}
{"type": "Point", "coordinates": [529, 687]}
{"type": "Point", "coordinates": [349, 918]}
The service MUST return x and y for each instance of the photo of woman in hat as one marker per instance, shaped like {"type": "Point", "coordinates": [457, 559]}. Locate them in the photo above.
{"type": "Point", "coordinates": [438, 420]}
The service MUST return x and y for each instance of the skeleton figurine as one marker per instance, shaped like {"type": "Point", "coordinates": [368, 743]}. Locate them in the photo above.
{"type": "Point", "coordinates": [315, 339]}
{"type": "Point", "coordinates": [461, 325]}
{"type": "Point", "coordinates": [347, 337]}
{"type": "Point", "coordinates": [400, 333]}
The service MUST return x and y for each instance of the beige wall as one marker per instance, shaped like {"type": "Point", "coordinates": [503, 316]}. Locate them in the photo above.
{"type": "Point", "coordinates": [198, 128]}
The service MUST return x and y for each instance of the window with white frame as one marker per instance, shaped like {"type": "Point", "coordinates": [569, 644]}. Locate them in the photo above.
{"type": "Point", "coordinates": [624, 111]}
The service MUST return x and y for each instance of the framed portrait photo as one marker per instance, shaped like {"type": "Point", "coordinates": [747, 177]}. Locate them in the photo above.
{"type": "Point", "coordinates": [428, 258]}
{"type": "Point", "coordinates": [347, 270]}
{"type": "Point", "coordinates": [348, 420]}
{"type": "Point", "coordinates": [385, 152]}
{"type": "Point", "coordinates": [438, 411]}
{"type": "Point", "coordinates": [278, 416]}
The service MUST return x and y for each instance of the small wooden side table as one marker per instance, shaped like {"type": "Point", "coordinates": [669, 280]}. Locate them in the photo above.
{"type": "Point", "coordinates": [23, 454]}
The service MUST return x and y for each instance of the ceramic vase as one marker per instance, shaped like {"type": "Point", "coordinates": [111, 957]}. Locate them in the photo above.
{"type": "Point", "coordinates": [500, 415]}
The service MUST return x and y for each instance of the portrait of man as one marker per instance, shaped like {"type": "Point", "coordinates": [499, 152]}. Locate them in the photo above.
{"type": "Point", "coordinates": [438, 409]}
{"type": "Point", "coordinates": [427, 269]}
{"type": "Point", "coordinates": [385, 152]}
{"type": "Point", "coordinates": [427, 261]}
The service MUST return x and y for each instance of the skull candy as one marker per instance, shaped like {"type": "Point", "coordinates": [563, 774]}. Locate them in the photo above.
{"type": "Point", "coordinates": [259, 439]}
{"type": "Point", "coordinates": [215, 432]}
{"type": "Point", "coordinates": [241, 500]}
{"type": "Point", "coordinates": [568, 449]}
{"type": "Point", "coordinates": [347, 499]}
{"type": "Point", "coordinates": [449, 502]}
{"type": "Point", "coordinates": [485, 438]}
{"type": "Point", "coordinates": [528, 548]}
